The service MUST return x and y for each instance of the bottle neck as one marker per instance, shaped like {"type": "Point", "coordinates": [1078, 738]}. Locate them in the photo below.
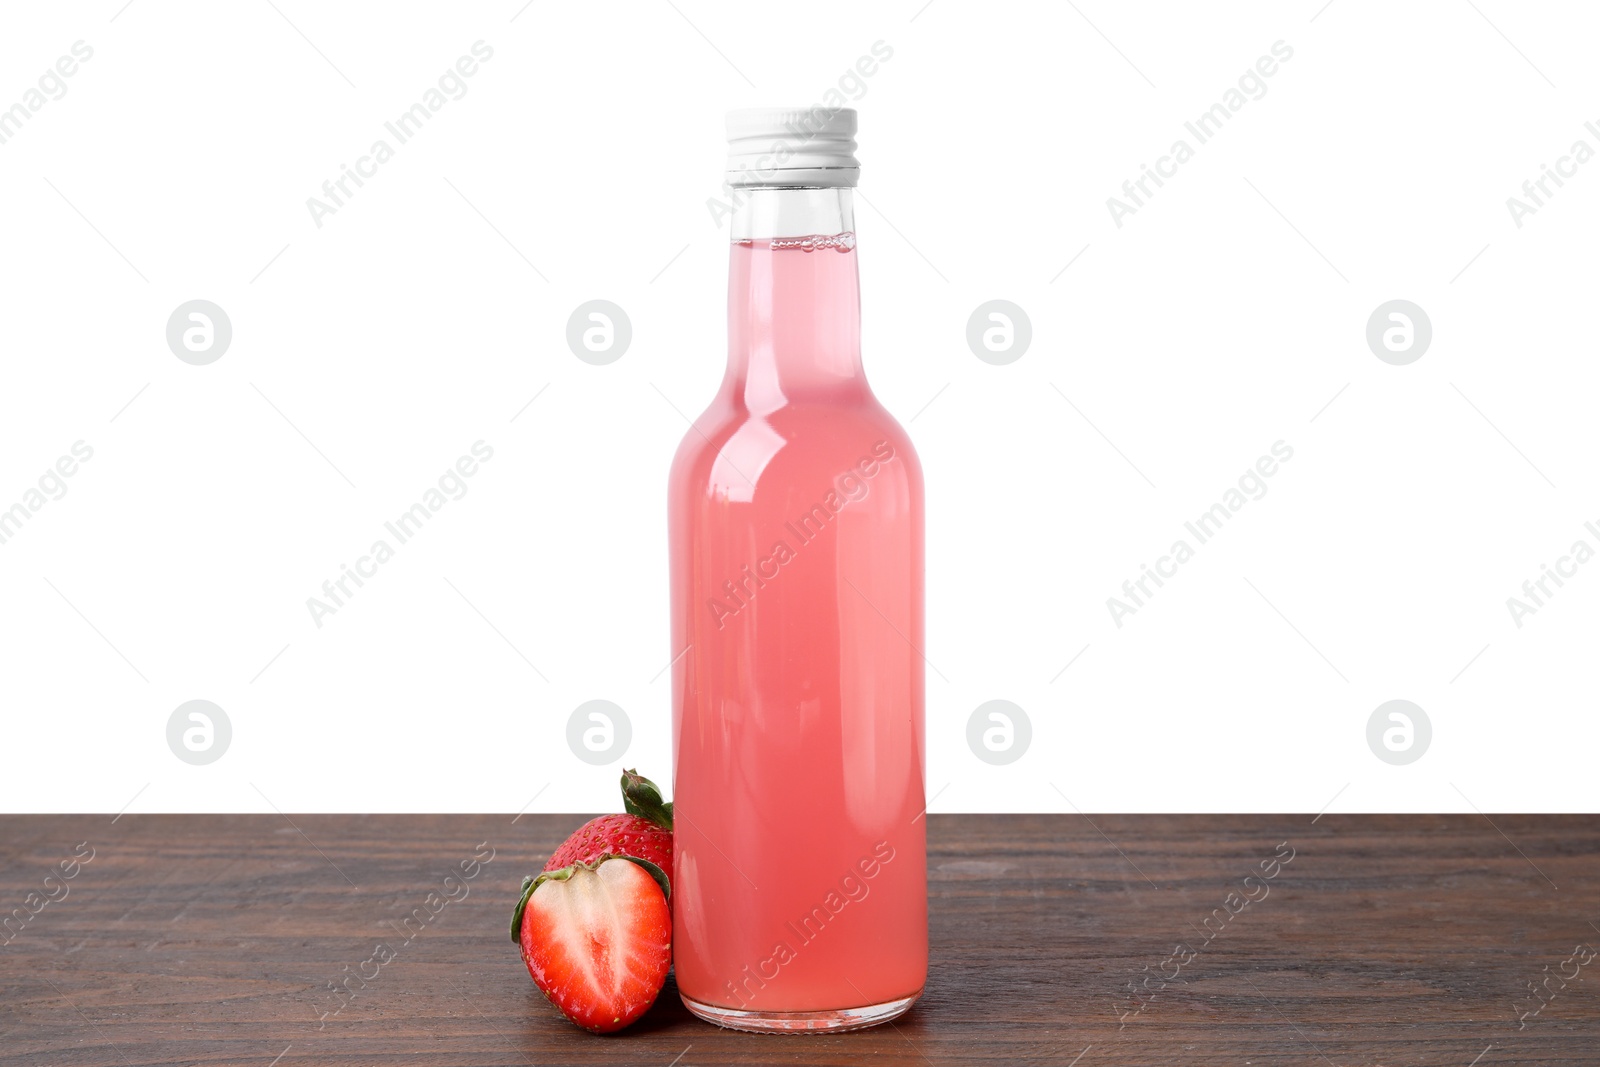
{"type": "Point", "coordinates": [794, 299]}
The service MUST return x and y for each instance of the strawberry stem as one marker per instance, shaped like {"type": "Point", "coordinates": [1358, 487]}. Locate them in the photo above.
{"type": "Point", "coordinates": [641, 797]}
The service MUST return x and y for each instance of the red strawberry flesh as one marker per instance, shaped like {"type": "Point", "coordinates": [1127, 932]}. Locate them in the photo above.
{"type": "Point", "coordinates": [598, 942]}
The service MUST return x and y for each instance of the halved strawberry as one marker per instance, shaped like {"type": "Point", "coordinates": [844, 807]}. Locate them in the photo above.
{"type": "Point", "coordinates": [597, 940]}
{"type": "Point", "coordinates": [595, 928]}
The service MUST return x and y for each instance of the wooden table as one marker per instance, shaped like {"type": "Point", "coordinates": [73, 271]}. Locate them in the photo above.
{"type": "Point", "coordinates": [1385, 940]}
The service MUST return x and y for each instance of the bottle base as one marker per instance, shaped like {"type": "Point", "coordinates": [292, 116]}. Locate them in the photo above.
{"type": "Point", "coordinates": [801, 1022]}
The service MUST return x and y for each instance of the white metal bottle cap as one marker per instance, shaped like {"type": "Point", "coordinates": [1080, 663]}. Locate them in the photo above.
{"type": "Point", "coordinates": [776, 147]}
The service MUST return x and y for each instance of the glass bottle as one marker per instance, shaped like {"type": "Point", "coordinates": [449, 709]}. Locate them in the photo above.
{"type": "Point", "coordinates": [796, 543]}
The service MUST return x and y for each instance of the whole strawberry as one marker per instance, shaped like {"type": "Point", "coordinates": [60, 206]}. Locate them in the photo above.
{"type": "Point", "coordinates": [643, 833]}
{"type": "Point", "coordinates": [595, 927]}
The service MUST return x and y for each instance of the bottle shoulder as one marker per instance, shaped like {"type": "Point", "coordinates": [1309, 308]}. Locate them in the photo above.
{"type": "Point", "coordinates": [732, 451]}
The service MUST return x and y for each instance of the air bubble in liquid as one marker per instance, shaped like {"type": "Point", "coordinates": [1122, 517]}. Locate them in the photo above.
{"type": "Point", "coordinates": [839, 242]}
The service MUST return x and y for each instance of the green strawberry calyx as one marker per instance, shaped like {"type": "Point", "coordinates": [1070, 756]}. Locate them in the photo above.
{"type": "Point", "coordinates": [642, 797]}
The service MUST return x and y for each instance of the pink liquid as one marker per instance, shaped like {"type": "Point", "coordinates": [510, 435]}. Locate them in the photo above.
{"type": "Point", "coordinates": [800, 864]}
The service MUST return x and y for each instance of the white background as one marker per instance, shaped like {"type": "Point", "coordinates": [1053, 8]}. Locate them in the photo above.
{"type": "Point", "coordinates": [368, 354]}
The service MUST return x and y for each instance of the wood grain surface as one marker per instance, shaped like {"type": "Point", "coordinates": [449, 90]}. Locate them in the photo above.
{"type": "Point", "coordinates": [1385, 940]}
